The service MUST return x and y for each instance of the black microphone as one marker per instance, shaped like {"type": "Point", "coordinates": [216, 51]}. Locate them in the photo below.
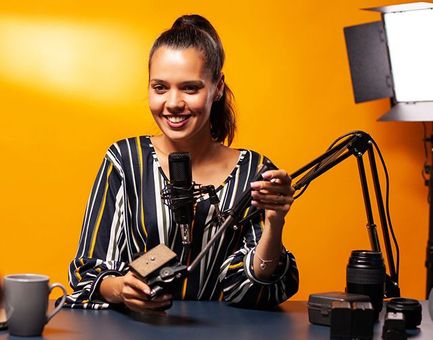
{"type": "Point", "coordinates": [182, 193]}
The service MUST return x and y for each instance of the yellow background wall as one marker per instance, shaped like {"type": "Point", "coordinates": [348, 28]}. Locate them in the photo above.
{"type": "Point", "coordinates": [73, 80]}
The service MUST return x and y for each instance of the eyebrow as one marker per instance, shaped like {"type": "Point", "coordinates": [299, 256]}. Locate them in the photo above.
{"type": "Point", "coordinates": [199, 83]}
{"type": "Point", "coordinates": [193, 82]}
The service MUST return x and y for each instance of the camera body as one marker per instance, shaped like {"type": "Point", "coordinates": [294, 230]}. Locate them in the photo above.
{"type": "Point", "coordinates": [159, 268]}
{"type": "Point", "coordinates": [320, 305]}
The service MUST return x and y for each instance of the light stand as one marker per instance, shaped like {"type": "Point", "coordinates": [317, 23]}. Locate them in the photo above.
{"type": "Point", "coordinates": [429, 250]}
{"type": "Point", "coordinates": [391, 58]}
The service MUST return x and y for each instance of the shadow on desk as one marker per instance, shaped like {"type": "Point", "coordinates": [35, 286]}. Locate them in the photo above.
{"type": "Point", "coordinates": [210, 314]}
{"type": "Point", "coordinates": [156, 318]}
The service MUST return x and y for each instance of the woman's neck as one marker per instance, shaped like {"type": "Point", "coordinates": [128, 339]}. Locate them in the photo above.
{"type": "Point", "coordinates": [200, 151]}
{"type": "Point", "coordinates": [212, 162]}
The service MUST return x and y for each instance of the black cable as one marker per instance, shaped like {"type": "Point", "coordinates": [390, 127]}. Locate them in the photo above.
{"type": "Point", "coordinates": [387, 210]}
{"type": "Point", "coordinates": [349, 134]}
{"type": "Point", "coordinates": [250, 216]}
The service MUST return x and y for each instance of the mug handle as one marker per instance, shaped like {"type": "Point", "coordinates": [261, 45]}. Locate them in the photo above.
{"type": "Point", "coordinates": [60, 305]}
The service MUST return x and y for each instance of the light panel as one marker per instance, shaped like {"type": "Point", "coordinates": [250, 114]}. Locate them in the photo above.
{"type": "Point", "coordinates": [410, 43]}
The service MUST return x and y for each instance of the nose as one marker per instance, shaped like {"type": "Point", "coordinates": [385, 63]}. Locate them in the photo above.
{"type": "Point", "coordinates": [175, 102]}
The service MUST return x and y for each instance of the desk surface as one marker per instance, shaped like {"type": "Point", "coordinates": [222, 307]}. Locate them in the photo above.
{"type": "Point", "coordinates": [188, 320]}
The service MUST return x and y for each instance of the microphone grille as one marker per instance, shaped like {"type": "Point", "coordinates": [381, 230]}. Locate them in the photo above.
{"type": "Point", "coordinates": [180, 168]}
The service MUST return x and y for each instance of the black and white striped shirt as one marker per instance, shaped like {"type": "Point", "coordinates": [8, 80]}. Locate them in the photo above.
{"type": "Point", "coordinates": [125, 215]}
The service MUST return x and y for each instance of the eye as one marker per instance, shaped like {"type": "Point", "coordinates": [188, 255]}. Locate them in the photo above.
{"type": "Point", "coordinates": [159, 88]}
{"type": "Point", "coordinates": [191, 89]}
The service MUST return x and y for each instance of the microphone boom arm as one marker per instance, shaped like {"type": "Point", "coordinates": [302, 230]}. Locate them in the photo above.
{"type": "Point", "coordinates": [357, 144]}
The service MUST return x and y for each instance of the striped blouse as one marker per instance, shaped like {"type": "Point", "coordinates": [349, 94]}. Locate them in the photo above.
{"type": "Point", "coordinates": [125, 215]}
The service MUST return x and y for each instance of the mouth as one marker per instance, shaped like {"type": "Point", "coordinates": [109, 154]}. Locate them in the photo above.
{"type": "Point", "coordinates": [177, 121]}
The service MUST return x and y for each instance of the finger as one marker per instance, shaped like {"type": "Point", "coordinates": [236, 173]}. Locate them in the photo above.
{"type": "Point", "coordinates": [276, 180]}
{"type": "Point", "coordinates": [162, 298]}
{"type": "Point", "coordinates": [271, 199]}
{"type": "Point", "coordinates": [274, 207]}
{"type": "Point", "coordinates": [130, 293]}
{"type": "Point", "coordinates": [132, 281]}
{"type": "Point", "coordinates": [140, 305]}
{"type": "Point", "coordinates": [291, 191]}
{"type": "Point", "coordinates": [266, 187]}
{"type": "Point", "coordinates": [280, 175]}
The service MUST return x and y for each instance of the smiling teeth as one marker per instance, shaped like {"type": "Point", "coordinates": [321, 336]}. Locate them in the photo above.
{"type": "Point", "coordinates": [176, 119]}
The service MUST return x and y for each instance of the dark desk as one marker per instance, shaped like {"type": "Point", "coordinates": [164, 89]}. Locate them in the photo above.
{"type": "Point", "coordinates": [188, 320]}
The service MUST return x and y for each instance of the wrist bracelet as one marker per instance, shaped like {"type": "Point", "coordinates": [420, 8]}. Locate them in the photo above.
{"type": "Point", "coordinates": [264, 263]}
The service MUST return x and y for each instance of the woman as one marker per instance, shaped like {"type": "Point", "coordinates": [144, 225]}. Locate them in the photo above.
{"type": "Point", "coordinates": [191, 104]}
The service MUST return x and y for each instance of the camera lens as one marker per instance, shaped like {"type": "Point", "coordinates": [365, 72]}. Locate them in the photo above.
{"type": "Point", "coordinates": [410, 308]}
{"type": "Point", "coordinates": [365, 275]}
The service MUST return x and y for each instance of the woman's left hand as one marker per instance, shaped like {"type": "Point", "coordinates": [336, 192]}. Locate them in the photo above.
{"type": "Point", "coordinates": [275, 195]}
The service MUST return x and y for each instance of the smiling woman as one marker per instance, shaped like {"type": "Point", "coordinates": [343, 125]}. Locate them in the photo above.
{"type": "Point", "coordinates": [181, 93]}
{"type": "Point", "coordinates": [191, 103]}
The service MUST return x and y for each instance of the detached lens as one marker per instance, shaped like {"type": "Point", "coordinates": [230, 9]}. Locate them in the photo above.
{"type": "Point", "coordinates": [365, 275]}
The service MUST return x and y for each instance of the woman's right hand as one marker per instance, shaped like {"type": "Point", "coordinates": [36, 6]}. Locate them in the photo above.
{"type": "Point", "coordinates": [133, 292]}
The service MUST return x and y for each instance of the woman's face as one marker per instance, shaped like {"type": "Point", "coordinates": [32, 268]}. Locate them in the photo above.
{"type": "Point", "coordinates": [181, 93]}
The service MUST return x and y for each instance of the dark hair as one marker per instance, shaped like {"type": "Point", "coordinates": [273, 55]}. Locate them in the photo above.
{"type": "Point", "coordinates": [196, 31]}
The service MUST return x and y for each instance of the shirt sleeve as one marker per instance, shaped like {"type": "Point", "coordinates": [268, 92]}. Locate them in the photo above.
{"type": "Point", "coordinates": [241, 287]}
{"type": "Point", "coordinates": [102, 248]}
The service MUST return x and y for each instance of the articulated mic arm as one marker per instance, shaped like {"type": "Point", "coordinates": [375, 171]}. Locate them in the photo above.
{"type": "Point", "coordinates": [357, 144]}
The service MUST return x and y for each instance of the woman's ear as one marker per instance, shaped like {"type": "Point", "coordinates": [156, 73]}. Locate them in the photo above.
{"type": "Point", "coordinates": [220, 88]}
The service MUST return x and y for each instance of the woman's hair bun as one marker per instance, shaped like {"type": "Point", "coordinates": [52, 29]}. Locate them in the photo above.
{"type": "Point", "coordinates": [193, 20]}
